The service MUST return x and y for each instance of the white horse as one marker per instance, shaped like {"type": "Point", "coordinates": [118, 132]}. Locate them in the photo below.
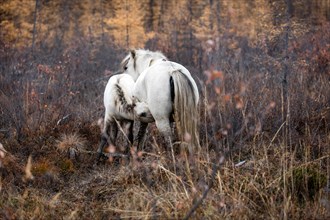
{"type": "Point", "coordinates": [120, 107]}
{"type": "Point", "coordinates": [170, 93]}
{"type": "Point", "coordinates": [164, 91]}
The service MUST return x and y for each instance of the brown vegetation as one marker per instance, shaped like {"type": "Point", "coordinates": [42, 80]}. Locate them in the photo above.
{"type": "Point", "coordinates": [263, 74]}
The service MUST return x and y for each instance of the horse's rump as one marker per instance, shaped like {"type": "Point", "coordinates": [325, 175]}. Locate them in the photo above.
{"type": "Point", "coordinates": [118, 97]}
{"type": "Point", "coordinates": [167, 87]}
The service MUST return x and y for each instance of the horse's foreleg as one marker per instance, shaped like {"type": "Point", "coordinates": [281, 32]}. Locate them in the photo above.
{"type": "Point", "coordinates": [142, 135]}
{"type": "Point", "coordinates": [130, 134]}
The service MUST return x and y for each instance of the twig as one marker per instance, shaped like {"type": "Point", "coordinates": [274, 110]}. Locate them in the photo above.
{"type": "Point", "coordinates": [233, 147]}
{"type": "Point", "coordinates": [105, 154]}
{"type": "Point", "coordinates": [278, 130]}
{"type": "Point", "coordinates": [122, 131]}
{"type": "Point", "coordinates": [215, 169]}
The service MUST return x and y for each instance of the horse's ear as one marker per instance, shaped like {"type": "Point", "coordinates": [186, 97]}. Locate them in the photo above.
{"type": "Point", "coordinates": [151, 61]}
{"type": "Point", "coordinates": [133, 53]}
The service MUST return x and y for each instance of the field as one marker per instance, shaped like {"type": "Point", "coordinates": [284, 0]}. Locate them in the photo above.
{"type": "Point", "coordinates": [264, 123]}
{"type": "Point", "coordinates": [266, 169]}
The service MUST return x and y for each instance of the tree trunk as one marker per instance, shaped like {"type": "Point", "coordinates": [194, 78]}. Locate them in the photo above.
{"type": "Point", "coordinates": [127, 25]}
{"type": "Point", "coordinates": [34, 26]}
{"type": "Point", "coordinates": [102, 22]}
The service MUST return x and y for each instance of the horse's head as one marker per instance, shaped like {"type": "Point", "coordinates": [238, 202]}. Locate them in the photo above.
{"type": "Point", "coordinates": [139, 60]}
{"type": "Point", "coordinates": [142, 112]}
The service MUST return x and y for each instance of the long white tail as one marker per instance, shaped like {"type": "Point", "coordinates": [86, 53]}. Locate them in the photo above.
{"type": "Point", "coordinates": [185, 109]}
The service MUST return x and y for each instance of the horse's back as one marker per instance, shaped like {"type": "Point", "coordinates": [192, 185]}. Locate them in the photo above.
{"type": "Point", "coordinates": [154, 87]}
{"type": "Point", "coordinates": [158, 75]}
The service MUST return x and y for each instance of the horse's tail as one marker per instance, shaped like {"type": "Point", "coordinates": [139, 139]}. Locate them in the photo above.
{"type": "Point", "coordinates": [185, 101]}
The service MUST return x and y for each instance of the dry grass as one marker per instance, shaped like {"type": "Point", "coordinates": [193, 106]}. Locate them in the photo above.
{"type": "Point", "coordinates": [72, 144]}
{"type": "Point", "coordinates": [262, 186]}
{"type": "Point", "coordinates": [265, 174]}
{"type": "Point", "coordinates": [68, 141]}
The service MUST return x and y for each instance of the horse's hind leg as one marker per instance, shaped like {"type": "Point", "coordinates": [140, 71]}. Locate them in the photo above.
{"type": "Point", "coordinates": [130, 136]}
{"type": "Point", "coordinates": [165, 129]}
{"type": "Point", "coordinates": [110, 131]}
{"type": "Point", "coordinates": [104, 142]}
{"type": "Point", "coordinates": [113, 132]}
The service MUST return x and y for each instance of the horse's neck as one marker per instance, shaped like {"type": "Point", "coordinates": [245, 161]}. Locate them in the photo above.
{"type": "Point", "coordinates": [146, 65]}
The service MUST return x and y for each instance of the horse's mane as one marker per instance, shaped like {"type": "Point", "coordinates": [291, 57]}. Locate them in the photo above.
{"type": "Point", "coordinates": [142, 52]}
{"type": "Point", "coordinates": [156, 54]}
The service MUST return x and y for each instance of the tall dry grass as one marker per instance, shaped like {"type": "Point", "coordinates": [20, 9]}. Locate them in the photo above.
{"type": "Point", "coordinates": [265, 167]}
{"type": "Point", "coordinates": [263, 174]}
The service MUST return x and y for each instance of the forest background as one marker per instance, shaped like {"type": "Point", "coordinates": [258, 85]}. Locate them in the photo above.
{"type": "Point", "coordinates": [262, 68]}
